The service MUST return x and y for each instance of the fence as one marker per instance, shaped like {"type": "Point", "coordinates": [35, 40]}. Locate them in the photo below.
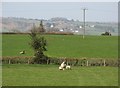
{"type": "Point", "coordinates": [71, 61]}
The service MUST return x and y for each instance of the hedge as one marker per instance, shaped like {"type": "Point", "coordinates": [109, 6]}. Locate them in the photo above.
{"type": "Point", "coordinates": [70, 61]}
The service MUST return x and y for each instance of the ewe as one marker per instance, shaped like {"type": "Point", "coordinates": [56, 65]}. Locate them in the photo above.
{"type": "Point", "coordinates": [22, 52]}
{"type": "Point", "coordinates": [62, 66]}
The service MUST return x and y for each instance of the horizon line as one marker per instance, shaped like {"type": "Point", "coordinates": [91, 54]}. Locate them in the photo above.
{"type": "Point", "coordinates": [59, 17]}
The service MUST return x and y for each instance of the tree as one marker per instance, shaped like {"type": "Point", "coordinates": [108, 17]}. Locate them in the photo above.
{"type": "Point", "coordinates": [41, 28]}
{"type": "Point", "coordinates": [38, 43]}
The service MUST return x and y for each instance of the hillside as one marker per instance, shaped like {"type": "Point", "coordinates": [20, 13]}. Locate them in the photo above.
{"type": "Point", "coordinates": [58, 24]}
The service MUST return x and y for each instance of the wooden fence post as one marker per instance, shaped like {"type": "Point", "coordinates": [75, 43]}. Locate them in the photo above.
{"type": "Point", "coordinates": [87, 63]}
{"type": "Point", "coordinates": [28, 61]}
{"type": "Point", "coordinates": [9, 61]}
{"type": "Point", "coordinates": [104, 63]}
{"type": "Point", "coordinates": [48, 61]}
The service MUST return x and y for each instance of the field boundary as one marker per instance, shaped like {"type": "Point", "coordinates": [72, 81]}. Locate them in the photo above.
{"type": "Point", "coordinates": [46, 33]}
{"type": "Point", "coordinates": [58, 60]}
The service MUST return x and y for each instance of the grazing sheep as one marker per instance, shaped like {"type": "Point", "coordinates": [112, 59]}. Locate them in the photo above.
{"type": "Point", "coordinates": [22, 52]}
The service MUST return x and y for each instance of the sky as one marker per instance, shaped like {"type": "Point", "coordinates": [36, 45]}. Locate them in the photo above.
{"type": "Point", "coordinates": [96, 11]}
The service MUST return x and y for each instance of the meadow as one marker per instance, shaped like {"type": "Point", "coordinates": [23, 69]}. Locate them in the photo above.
{"type": "Point", "coordinates": [71, 46]}
{"type": "Point", "coordinates": [49, 75]}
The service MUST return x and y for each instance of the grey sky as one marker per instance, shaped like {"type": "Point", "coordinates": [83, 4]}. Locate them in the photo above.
{"type": "Point", "coordinates": [97, 11]}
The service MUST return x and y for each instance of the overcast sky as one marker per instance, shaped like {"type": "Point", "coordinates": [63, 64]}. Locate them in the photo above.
{"type": "Point", "coordinates": [97, 11]}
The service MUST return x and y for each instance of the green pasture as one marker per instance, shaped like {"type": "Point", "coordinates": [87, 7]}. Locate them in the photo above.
{"type": "Point", "coordinates": [71, 46]}
{"type": "Point", "coordinates": [49, 75]}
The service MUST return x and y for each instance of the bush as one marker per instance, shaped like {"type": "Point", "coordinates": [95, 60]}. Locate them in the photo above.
{"type": "Point", "coordinates": [16, 60]}
{"type": "Point", "coordinates": [40, 60]}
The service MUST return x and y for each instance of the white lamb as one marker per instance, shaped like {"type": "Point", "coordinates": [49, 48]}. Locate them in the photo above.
{"type": "Point", "coordinates": [68, 67]}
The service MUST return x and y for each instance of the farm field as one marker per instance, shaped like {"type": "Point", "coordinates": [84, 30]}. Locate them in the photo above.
{"type": "Point", "coordinates": [71, 46]}
{"type": "Point", "coordinates": [49, 75]}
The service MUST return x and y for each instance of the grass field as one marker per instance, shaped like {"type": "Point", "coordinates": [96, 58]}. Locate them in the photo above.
{"type": "Point", "coordinates": [72, 46]}
{"type": "Point", "coordinates": [64, 46]}
{"type": "Point", "coordinates": [49, 75]}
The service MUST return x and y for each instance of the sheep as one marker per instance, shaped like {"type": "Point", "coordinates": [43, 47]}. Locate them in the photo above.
{"type": "Point", "coordinates": [68, 67]}
{"type": "Point", "coordinates": [62, 66]}
{"type": "Point", "coordinates": [22, 52]}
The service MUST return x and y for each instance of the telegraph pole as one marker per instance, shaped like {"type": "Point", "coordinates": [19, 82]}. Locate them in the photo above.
{"type": "Point", "coordinates": [84, 9]}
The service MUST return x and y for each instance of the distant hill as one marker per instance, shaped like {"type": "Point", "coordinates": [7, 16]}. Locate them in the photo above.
{"type": "Point", "coordinates": [58, 24]}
